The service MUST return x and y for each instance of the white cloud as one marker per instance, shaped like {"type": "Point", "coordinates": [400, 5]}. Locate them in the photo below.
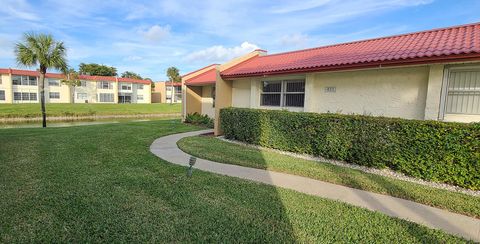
{"type": "Point", "coordinates": [297, 40]}
{"type": "Point", "coordinates": [219, 54]}
{"type": "Point", "coordinates": [156, 33]}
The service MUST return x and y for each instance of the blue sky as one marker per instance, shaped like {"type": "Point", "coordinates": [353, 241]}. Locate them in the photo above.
{"type": "Point", "coordinates": [147, 37]}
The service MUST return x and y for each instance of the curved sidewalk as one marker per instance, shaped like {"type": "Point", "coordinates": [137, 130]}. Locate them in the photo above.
{"type": "Point", "coordinates": [457, 224]}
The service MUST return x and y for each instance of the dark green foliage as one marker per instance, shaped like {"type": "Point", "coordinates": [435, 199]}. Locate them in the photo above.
{"type": "Point", "coordinates": [198, 119]}
{"type": "Point", "coordinates": [97, 69]}
{"type": "Point", "coordinates": [133, 75]}
{"type": "Point", "coordinates": [430, 150]}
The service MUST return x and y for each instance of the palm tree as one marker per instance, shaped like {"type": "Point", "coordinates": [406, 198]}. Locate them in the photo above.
{"type": "Point", "coordinates": [173, 75]}
{"type": "Point", "coordinates": [44, 51]}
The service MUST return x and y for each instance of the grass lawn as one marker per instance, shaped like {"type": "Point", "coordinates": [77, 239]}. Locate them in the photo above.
{"type": "Point", "coordinates": [225, 152]}
{"type": "Point", "coordinates": [84, 109]}
{"type": "Point", "coordinates": [100, 183]}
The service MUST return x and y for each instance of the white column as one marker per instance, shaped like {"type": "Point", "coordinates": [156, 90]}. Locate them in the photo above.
{"type": "Point", "coordinates": [434, 91]}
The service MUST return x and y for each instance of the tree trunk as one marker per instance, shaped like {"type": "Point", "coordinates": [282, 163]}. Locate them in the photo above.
{"type": "Point", "coordinates": [42, 98]}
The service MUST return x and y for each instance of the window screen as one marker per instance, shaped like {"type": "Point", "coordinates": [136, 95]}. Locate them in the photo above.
{"type": "Point", "coordinates": [463, 95]}
{"type": "Point", "coordinates": [284, 93]}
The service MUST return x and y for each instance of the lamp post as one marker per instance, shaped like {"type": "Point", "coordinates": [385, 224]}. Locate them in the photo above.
{"type": "Point", "coordinates": [191, 162]}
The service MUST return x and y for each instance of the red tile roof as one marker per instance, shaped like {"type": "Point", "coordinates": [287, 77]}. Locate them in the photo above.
{"type": "Point", "coordinates": [458, 43]}
{"type": "Point", "coordinates": [205, 78]}
{"type": "Point", "coordinates": [120, 79]}
{"type": "Point", "coordinates": [82, 77]}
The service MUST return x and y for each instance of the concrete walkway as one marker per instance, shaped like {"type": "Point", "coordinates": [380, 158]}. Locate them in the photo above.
{"type": "Point", "coordinates": [457, 224]}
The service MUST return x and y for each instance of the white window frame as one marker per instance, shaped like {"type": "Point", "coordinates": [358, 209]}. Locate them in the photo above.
{"type": "Point", "coordinates": [140, 97]}
{"type": "Point", "coordinates": [445, 85]}
{"type": "Point", "coordinates": [2, 95]}
{"type": "Point", "coordinates": [140, 86]}
{"type": "Point", "coordinates": [283, 92]}
{"type": "Point", "coordinates": [28, 96]}
{"type": "Point", "coordinates": [128, 87]}
{"type": "Point", "coordinates": [54, 93]}
{"type": "Point", "coordinates": [102, 83]}
{"type": "Point", "coordinates": [55, 82]}
{"type": "Point", "coordinates": [84, 96]}
{"type": "Point", "coordinates": [110, 94]}
{"type": "Point", "coordinates": [83, 83]}
{"type": "Point", "coordinates": [23, 78]}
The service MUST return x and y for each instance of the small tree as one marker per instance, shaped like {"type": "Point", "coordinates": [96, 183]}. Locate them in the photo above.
{"type": "Point", "coordinates": [133, 75]}
{"type": "Point", "coordinates": [42, 50]}
{"type": "Point", "coordinates": [97, 69]}
{"type": "Point", "coordinates": [173, 75]}
{"type": "Point", "coordinates": [152, 84]}
{"type": "Point", "coordinates": [72, 78]}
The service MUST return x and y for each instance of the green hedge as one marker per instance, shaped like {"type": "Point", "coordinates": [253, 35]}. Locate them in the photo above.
{"type": "Point", "coordinates": [430, 150]}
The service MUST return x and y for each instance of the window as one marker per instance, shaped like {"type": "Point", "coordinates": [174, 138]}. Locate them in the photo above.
{"type": "Point", "coordinates": [2, 95]}
{"type": "Point", "coordinates": [127, 87]}
{"type": "Point", "coordinates": [17, 96]}
{"type": "Point", "coordinates": [104, 85]}
{"type": "Point", "coordinates": [105, 97]}
{"type": "Point", "coordinates": [271, 93]}
{"type": "Point", "coordinates": [83, 83]}
{"type": "Point", "coordinates": [0, 79]}
{"type": "Point", "coordinates": [82, 96]}
{"type": "Point", "coordinates": [52, 82]}
{"type": "Point", "coordinates": [139, 97]}
{"type": "Point", "coordinates": [463, 93]}
{"type": "Point", "coordinates": [286, 93]}
{"type": "Point", "coordinates": [24, 80]}
{"type": "Point", "coordinates": [54, 95]}
{"type": "Point", "coordinates": [24, 96]}
{"type": "Point", "coordinates": [16, 80]}
{"type": "Point", "coordinates": [294, 93]}
{"type": "Point", "coordinates": [140, 87]}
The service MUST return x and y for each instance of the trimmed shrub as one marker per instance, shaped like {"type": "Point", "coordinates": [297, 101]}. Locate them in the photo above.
{"type": "Point", "coordinates": [198, 119]}
{"type": "Point", "coordinates": [429, 150]}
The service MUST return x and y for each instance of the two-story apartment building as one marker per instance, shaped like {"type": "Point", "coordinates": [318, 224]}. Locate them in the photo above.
{"type": "Point", "coordinates": [22, 86]}
{"type": "Point", "coordinates": [167, 92]}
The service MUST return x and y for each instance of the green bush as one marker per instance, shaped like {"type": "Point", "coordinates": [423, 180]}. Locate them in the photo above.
{"type": "Point", "coordinates": [198, 119]}
{"type": "Point", "coordinates": [430, 150]}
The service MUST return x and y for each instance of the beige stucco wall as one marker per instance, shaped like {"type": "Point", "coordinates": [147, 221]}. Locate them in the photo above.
{"type": "Point", "coordinates": [90, 89]}
{"type": "Point", "coordinates": [207, 101]}
{"type": "Point", "coordinates": [241, 93]}
{"type": "Point", "coordinates": [158, 94]}
{"type": "Point", "coordinates": [223, 88]}
{"type": "Point", "coordinates": [193, 99]}
{"type": "Point", "coordinates": [64, 90]}
{"type": "Point", "coordinates": [6, 85]}
{"type": "Point", "coordinates": [185, 92]}
{"type": "Point", "coordinates": [393, 92]}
